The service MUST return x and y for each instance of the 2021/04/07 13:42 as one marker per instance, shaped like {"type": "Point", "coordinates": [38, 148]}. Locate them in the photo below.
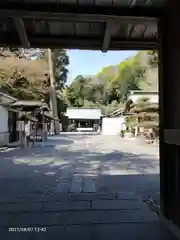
{"type": "Point", "coordinates": [28, 229]}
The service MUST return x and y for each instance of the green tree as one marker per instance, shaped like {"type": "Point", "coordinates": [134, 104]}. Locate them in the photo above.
{"type": "Point", "coordinates": [153, 58]}
{"type": "Point", "coordinates": [61, 63]}
{"type": "Point", "coordinates": [109, 89]}
{"type": "Point", "coordinates": [29, 79]}
{"type": "Point", "coordinates": [130, 77]}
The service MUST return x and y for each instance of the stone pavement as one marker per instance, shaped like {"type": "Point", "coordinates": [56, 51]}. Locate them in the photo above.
{"type": "Point", "coordinates": [79, 187]}
{"type": "Point", "coordinates": [80, 216]}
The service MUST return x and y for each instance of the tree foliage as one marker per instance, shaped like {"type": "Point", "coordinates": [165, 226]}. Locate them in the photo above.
{"type": "Point", "coordinates": [24, 79]}
{"type": "Point", "coordinates": [109, 89]}
{"type": "Point", "coordinates": [153, 58]}
{"type": "Point", "coordinates": [61, 62]}
{"type": "Point", "coordinates": [29, 79]}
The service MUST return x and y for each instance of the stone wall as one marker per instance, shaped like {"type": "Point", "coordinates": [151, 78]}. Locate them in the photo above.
{"type": "Point", "coordinates": [4, 138]}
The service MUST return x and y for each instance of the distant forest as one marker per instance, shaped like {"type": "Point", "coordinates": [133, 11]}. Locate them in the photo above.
{"type": "Point", "coordinates": [108, 89]}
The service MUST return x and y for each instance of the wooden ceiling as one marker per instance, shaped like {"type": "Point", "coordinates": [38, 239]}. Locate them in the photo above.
{"type": "Point", "coordinates": [81, 24]}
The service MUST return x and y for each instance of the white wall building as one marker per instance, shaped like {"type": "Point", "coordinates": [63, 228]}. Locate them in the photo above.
{"type": "Point", "coordinates": [116, 122]}
{"type": "Point", "coordinates": [83, 113]}
{"type": "Point", "coordinates": [84, 118]}
{"type": "Point", "coordinates": [136, 95]}
{"type": "Point", "coordinates": [113, 126]}
{"type": "Point", "coordinates": [4, 115]}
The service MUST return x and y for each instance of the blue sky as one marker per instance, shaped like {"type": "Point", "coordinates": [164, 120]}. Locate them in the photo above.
{"type": "Point", "coordinates": [91, 62]}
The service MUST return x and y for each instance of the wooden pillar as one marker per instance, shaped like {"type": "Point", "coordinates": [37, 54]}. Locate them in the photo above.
{"type": "Point", "coordinates": [53, 95]}
{"type": "Point", "coordinates": [43, 128]}
{"type": "Point", "coordinates": [34, 133]}
{"type": "Point", "coordinates": [169, 87]}
{"type": "Point", "coordinates": [33, 128]}
{"type": "Point", "coordinates": [22, 137]}
{"type": "Point", "coordinates": [25, 136]}
{"type": "Point", "coordinates": [45, 131]}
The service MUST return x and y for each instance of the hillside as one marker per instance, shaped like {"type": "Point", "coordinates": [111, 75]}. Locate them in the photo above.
{"type": "Point", "coordinates": [150, 80]}
{"type": "Point", "coordinates": [109, 88]}
{"type": "Point", "coordinates": [22, 78]}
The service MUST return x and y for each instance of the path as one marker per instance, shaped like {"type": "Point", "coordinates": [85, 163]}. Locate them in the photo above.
{"type": "Point", "coordinates": [79, 187]}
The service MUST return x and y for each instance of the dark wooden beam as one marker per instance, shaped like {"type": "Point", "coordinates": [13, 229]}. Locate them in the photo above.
{"type": "Point", "coordinates": [147, 2]}
{"type": "Point", "coordinates": [156, 35]}
{"type": "Point", "coordinates": [89, 43]}
{"type": "Point", "coordinates": [107, 38]}
{"type": "Point", "coordinates": [132, 3]}
{"type": "Point", "coordinates": [143, 3]}
{"type": "Point", "coordinates": [79, 12]}
{"type": "Point", "coordinates": [21, 31]}
{"type": "Point", "coordinates": [144, 31]}
{"type": "Point", "coordinates": [130, 31]}
{"type": "Point", "coordinates": [111, 30]}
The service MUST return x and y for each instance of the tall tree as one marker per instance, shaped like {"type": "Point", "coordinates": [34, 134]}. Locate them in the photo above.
{"type": "Point", "coordinates": [61, 70]}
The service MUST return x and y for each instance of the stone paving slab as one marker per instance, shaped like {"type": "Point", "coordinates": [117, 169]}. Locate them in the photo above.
{"type": "Point", "coordinates": [127, 195]}
{"type": "Point", "coordinates": [116, 231]}
{"type": "Point", "coordinates": [89, 185]}
{"type": "Point", "coordinates": [66, 206]}
{"type": "Point", "coordinates": [77, 185]}
{"type": "Point", "coordinates": [94, 232]}
{"type": "Point", "coordinates": [103, 232]}
{"type": "Point", "coordinates": [36, 219]}
{"type": "Point", "coordinates": [4, 219]}
{"type": "Point", "coordinates": [58, 196]}
{"type": "Point", "coordinates": [69, 203]}
{"type": "Point", "coordinates": [52, 232]}
{"type": "Point", "coordinates": [117, 204]}
{"type": "Point", "coordinates": [20, 207]}
{"type": "Point", "coordinates": [63, 187]}
{"type": "Point", "coordinates": [76, 218]}
{"type": "Point", "coordinates": [52, 197]}
{"type": "Point", "coordinates": [95, 209]}
{"type": "Point", "coordinates": [110, 216]}
{"type": "Point", "coordinates": [93, 196]}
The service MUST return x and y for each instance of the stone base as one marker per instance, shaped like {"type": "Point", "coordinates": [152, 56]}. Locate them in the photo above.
{"type": "Point", "coordinates": [4, 138]}
{"type": "Point", "coordinates": [170, 226]}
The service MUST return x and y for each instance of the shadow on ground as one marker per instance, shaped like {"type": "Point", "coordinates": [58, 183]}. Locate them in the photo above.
{"type": "Point", "coordinates": [39, 170]}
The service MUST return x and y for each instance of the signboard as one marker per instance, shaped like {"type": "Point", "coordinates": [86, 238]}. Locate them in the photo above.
{"type": "Point", "coordinates": [27, 129]}
{"type": "Point", "coordinates": [20, 126]}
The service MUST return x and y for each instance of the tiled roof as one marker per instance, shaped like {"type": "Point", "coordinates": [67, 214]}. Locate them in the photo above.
{"type": "Point", "coordinates": [83, 113]}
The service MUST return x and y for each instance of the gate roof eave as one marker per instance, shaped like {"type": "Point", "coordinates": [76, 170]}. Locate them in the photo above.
{"type": "Point", "coordinates": [83, 26]}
